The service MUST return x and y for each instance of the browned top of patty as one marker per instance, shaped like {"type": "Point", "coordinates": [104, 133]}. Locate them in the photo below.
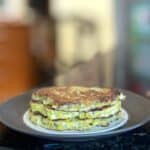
{"type": "Point", "coordinates": [77, 94]}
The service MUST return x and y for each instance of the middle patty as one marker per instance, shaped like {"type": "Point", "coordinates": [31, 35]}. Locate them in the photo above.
{"type": "Point", "coordinates": [52, 114]}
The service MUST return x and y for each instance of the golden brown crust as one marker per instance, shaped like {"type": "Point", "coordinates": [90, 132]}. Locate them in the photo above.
{"type": "Point", "coordinates": [77, 94]}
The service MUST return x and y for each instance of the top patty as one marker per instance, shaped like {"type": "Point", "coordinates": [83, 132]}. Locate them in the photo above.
{"type": "Point", "coordinates": [63, 95]}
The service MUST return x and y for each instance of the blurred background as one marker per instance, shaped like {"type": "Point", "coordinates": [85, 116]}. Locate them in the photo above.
{"type": "Point", "coordinates": [67, 42]}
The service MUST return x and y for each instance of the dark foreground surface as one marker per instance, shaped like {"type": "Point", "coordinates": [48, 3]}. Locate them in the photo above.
{"type": "Point", "coordinates": [138, 139]}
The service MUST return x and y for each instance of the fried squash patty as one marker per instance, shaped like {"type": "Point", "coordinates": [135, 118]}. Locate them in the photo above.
{"type": "Point", "coordinates": [74, 107]}
{"type": "Point", "coordinates": [56, 114]}
{"type": "Point", "coordinates": [75, 98]}
{"type": "Point", "coordinates": [74, 124]}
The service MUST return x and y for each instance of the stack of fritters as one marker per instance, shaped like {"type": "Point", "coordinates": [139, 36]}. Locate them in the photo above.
{"type": "Point", "coordinates": [74, 107]}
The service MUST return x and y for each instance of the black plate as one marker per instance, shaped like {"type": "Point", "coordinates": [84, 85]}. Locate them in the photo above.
{"type": "Point", "coordinates": [11, 114]}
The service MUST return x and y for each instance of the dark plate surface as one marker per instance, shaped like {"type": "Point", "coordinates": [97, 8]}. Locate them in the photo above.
{"type": "Point", "coordinates": [11, 114]}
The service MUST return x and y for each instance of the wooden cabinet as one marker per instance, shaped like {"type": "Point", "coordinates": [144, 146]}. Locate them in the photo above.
{"type": "Point", "coordinates": [17, 69]}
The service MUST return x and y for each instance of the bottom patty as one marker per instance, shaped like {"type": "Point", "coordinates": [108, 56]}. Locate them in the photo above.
{"type": "Point", "coordinates": [74, 124]}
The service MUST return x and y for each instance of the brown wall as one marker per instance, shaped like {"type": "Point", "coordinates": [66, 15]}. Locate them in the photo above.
{"type": "Point", "coordinates": [17, 69]}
